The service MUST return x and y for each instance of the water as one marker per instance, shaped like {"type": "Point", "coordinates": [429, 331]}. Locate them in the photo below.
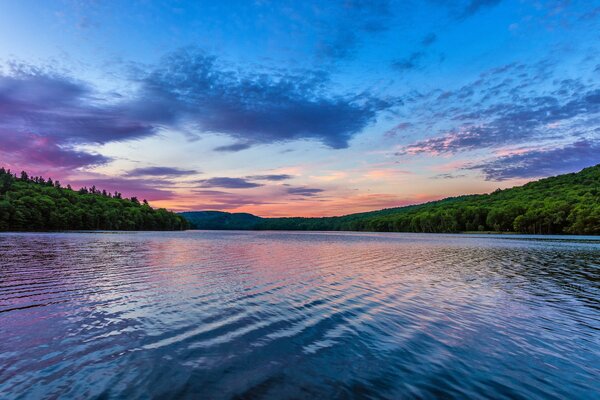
{"type": "Point", "coordinates": [253, 315]}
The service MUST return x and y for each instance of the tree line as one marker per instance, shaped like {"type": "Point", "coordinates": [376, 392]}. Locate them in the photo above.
{"type": "Point", "coordinates": [568, 204]}
{"type": "Point", "coordinates": [39, 204]}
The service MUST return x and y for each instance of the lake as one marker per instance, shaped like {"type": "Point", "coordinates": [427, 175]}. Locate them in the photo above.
{"type": "Point", "coordinates": [315, 315]}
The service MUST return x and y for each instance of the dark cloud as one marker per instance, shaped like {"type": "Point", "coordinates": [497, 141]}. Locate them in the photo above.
{"type": "Point", "coordinates": [257, 108]}
{"type": "Point", "coordinates": [543, 162]}
{"type": "Point", "coordinates": [304, 191]}
{"type": "Point", "coordinates": [48, 116]}
{"type": "Point", "coordinates": [32, 152]}
{"type": "Point", "coordinates": [228, 183]}
{"type": "Point", "coordinates": [43, 117]}
{"type": "Point", "coordinates": [272, 177]}
{"type": "Point", "coordinates": [233, 147]}
{"type": "Point", "coordinates": [69, 111]}
{"type": "Point", "coordinates": [161, 171]}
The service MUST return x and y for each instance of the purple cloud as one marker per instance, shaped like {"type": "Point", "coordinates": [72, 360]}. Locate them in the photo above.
{"type": "Point", "coordinates": [304, 191]}
{"type": "Point", "coordinates": [272, 177]}
{"type": "Point", "coordinates": [188, 89]}
{"type": "Point", "coordinates": [161, 171]}
{"type": "Point", "coordinates": [544, 162]}
{"type": "Point", "coordinates": [508, 123]}
{"type": "Point", "coordinates": [32, 152]}
{"type": "Point", "coordinates": [228, 183]}
{"type": "Point", "coordinates": [43, 117]}
{"type": "Point", "coordinates": [45, 104]}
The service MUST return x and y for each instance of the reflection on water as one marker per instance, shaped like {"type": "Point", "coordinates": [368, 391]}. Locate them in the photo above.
{"type": "Point", "coordinates": [298, 315]}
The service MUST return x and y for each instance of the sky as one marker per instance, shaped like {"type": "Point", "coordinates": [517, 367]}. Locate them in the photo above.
{"type": "Point", "coordinates": [289, 108]}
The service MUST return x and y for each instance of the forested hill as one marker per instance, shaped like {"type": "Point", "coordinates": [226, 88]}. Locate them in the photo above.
{"type": "Point", "coordinates": [37, 204]}
{"type": "Point", "coordinates": [562, 204]}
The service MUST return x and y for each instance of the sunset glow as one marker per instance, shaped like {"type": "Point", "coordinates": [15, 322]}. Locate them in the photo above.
{"type": "Point", "coordinates": [318, 109]}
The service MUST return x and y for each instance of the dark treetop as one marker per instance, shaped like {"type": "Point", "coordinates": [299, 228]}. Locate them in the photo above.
{"type": "Point", "coordinates": [562, 204]}
{"type": "Point", "coordinates": [36, 204]}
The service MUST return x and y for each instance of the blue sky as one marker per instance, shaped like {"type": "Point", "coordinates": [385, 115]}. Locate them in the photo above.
{"type": "Point", "coordinates": [299, 108]}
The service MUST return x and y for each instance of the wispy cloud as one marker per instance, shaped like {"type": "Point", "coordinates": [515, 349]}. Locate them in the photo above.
{"type": "Point", "coordinates": [510, 104]}
{"type": "Point", "coordinates": [161, 171]}
{"type": "Point", "coordinates": [271, 177]}
{"type": "Point", "coordinates": [233, 147]}
{"type": "Point", "coordinates": [304, 191]}
{"type": "Point", "coordinates": [505, 123]}
{"type": "Point", "coordinates": [228, 183]}
{"type": "Point", "coordinates": [542, 162]}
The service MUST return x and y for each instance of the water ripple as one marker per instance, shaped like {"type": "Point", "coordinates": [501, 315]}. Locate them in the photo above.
{"type": "Point", "coordinates": [252, 315]}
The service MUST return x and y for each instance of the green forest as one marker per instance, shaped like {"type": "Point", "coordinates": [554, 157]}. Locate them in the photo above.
{"type": "Point", "coordinates": [38, 204]}
{"type": "Point", "coordinates": [564, 204]}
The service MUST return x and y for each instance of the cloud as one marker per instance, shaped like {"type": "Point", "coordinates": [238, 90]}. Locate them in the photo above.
{"type": "Point", "coordinates": [257, 108]}
{"type": "Point", "coordinates": [510, 123]}
{"type": "Point", "coordinates": [398, 129]}
{"type": "Point", "coordinates": [34, 152]}
{"type": "Point", "coordinates": [44, 117]}
{"type": "Point", "coordinates": [509, 104]}
{"type": "Point", "coordinates": [542, 162]}
{"type": "Point", "coordinates": [228, 183]}
{"type": "Point", "coordinates": [233, 147]}
{"type": "Point", "coordinates": [272, 177]}
{"type": "Point", "coordinates": [161, 171]}
{"type": "Point", "coordinates": [189, 91]}
{"type": "Point", "coordinates": [449, 176]}
{"type": "Point", "coordinates": [304, 191]}
{"type": "Point", "coordinates": [69, 111]}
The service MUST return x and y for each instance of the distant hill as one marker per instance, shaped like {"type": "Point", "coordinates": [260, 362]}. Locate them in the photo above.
{"type": "Point", "coordinates": [36, 204]}
{"type": "Point", "coordinates": [221, 220]}
{"type": "Point", "coordinates": [567, 203]}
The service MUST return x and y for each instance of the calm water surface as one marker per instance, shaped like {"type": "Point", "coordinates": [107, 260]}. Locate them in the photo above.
{"type": "Point", "coordinates": [269, 315]}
